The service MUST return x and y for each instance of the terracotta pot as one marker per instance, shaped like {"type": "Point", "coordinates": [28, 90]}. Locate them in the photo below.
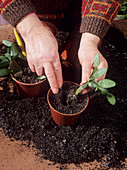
{"type": "Point", "coordinates": [30, 90]}
{"type": "Point", "coordinates": [62, 118]}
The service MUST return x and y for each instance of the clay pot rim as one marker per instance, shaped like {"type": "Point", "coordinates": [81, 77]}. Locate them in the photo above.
{"type": "Point", "coordinates": [26, 84]}
{"type": "Point", "coordinates": [64, 113]}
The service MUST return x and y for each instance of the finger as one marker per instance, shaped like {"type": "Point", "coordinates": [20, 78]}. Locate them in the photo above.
{"type": "Point", "coordinates": [49, 71]}
{"type": "Point", "coordinates": [86, 72]}
{"type": "Point", "coordinates": [32, 68]}
{"type": "Point", "coordinates": [58, 73]}
{"type": "Point", "coordinates": [39, 71]}
{"type": "Point", "coordinates": [86, 90]}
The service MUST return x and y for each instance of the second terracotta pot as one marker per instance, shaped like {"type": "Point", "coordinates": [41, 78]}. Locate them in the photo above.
{"type": "Point", "coordinates": [62, 118]}
{"type": "Point", "coordinates": [29, 90]}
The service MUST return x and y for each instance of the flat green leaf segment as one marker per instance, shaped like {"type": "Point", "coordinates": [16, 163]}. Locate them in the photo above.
{"type": "Point", "coordinates": [92, 84]}
{"type": "Point", "coordinates": [15, 68]}
{"type": "Point", "coordinates": [99, 73]}
{"type": "Point", "coordinates": [95, 69]}
{"type": "Point", "coordinates": [3, 62]}
{"type": "Point", "coordinates": [4, 72]}
{"type": "Point", "coordinates": [14, 51]}
{"type": "Point", "coordinates": [102, 85]}
{"type": "Point", "coordinates": [41, 77]}
{"type": "Point", "coordinates": [8, 56]}
{"type": "Point", "coordinates": [96, 60]}
{"type": "Point", "coordinates": [111, 98]}
{"type": "Point", "coordinates": [103, 91]}
{"type": "Point", "coordinates": [8, 63]}
{"type": "Point", "coordinates": [106, 83]}
{"type": "Point", "coordinates": [7, 43]}
{"type": "Point", "coordinates": [122, 14]}
{"type": "Point", "coordinates": [83, 86]}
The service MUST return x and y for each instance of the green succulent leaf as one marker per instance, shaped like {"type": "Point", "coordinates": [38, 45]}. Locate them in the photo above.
{"type": "Point", "coordinates": [15, 68]}
{"type": "Point", "coordinates": [92, 84]}
{"type": "Point", "coordinates": [111, 98]}
{"type": "Point", "coordinates": [3, 62]}
{"type": "Point", "coordinates": [106, 83]}
{"type": "Point", "coordinates": [83, 86]}
{"type": "Point", "coordinates": [99, 72]}
{"type": "Point", "coordinates": [102, 85]}
{"type": "Point", "coordinates": [96, 88]}
{"type": "Point", "coordinates": [103, 91]}
{"type": "Point", "coordinates": [119, 17]}
{"type": "Point", "coordinates": [7, 43]}
{"type": "Point", "coordinates": [95, 69]}
{"type": "Point", "coordinates": [20, 55]}
{"type": "Point", "coordinates": [4, 72]}
{"type": "Point", "coordinates": [96, 60]}
{"type": "Point", "coordinates": [14, 51]}
{"type": "Point", "coordinates": [41, 77]}
{"type": "Point", "coordinates": [3, 58]}
{"type": "Point", "coordinates": [8, 56]}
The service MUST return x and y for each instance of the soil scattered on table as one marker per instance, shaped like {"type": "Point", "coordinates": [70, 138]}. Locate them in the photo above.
{"type": "Point", "coordinates": [102, 131]}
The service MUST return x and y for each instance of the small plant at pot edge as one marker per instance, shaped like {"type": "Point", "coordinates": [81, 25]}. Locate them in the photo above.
{"type": "Point", "coordinates": [8, 62]}
{"type": "Point", "coordinates": [102, 85]}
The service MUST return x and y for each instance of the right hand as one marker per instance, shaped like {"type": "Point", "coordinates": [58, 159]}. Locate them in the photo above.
{"type": "Point", "coordinates": [87, 50]}
{"type": "Point", "coordinates": [42, 50]}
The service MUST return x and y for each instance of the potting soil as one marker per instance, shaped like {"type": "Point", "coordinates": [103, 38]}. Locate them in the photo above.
{"type": "Point", "coordinates": [66, 101]}
{"type": "Point", "coordinates": [102, 131]}
{"type": "Point", "coordinates": [28, 76]}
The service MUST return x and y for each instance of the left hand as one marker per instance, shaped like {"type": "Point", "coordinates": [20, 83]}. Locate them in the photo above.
{"type": "Point", "coordinates": [88, 49]}
{"type": "Point", "coordinates": [42, 50]}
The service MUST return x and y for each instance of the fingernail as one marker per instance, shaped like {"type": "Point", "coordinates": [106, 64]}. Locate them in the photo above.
{"type": "Point", "coordinates": [83, 82]}
{"type": "Point", "coordinates": [55, 91]}
{"type": "Point", "coordinates": [83, 92]}
{"type": "Point", "coordinates": [59, 84]}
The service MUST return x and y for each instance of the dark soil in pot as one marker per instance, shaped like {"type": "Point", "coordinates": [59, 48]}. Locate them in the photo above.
{"type": "Point", "coordinates": [66, 101]}
{"type": "Point", "coordinates": [102, 132]}
{"type": "Point", "coordinates": [27, 75]}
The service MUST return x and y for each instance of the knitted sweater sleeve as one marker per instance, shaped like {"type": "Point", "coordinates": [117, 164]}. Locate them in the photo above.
{"type": "Point", "coordinates": [98, 15]}
{"type": "Point", "coordinates": [14, 10]}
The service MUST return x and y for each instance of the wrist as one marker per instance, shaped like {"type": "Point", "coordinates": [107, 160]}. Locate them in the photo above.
{"type": "Point", "coordinates": [91, 38]}
{"type": "Point", "coordinates": [27, 23]}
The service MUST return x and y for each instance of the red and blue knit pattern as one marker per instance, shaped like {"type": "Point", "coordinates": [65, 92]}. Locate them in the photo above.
{"type": "Point", "coordinates": [4, 4]}
{"type": "Point", "coordinates": [106, 10]}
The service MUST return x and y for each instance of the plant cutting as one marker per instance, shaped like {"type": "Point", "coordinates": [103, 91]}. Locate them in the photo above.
{"type": "Point", "coordinates": [69, 103]}
{"type": "Point", "coordinates": [102, 85]}
{"type": "Point", "coordinates": [13, 62]}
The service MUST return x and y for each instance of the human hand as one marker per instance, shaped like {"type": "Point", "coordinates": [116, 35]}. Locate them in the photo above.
{"type": "Point", "coordinates": [42, 50]}
{"type": "Point", "coordinates": [87, 51]}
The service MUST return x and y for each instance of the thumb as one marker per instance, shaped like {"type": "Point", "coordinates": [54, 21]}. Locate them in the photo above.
{"type": "Point", "coordinates": [86, 72]}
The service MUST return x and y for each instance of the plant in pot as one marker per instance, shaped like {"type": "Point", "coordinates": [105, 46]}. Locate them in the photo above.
{"type": "Point", "coordinates": [69, 103]}
{"type": "Point", "coordinates": [12, 62]}
{"type": "Point", "coordinates": [122, 14]}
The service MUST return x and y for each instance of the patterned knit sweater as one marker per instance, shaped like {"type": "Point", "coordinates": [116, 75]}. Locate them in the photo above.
{"type": "Point", "coordinates": [97, 15]}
